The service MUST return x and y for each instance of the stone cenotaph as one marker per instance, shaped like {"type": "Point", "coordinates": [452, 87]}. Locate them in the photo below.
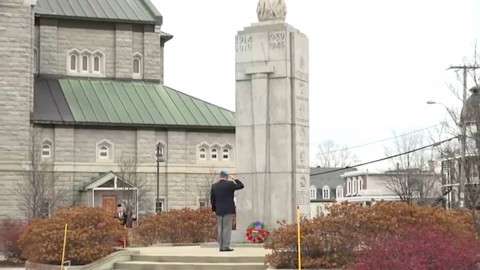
{"type": "Point", "coordinates": [272, 121]}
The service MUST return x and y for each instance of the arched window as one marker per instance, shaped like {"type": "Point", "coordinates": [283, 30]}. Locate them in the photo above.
{"type": "Point", "coordinates": [96, 63]}
{"type": "Point", "coordinates": [203, 153]}
{"type": "Point", "coordinates": [326, 192]}
{"type": "Point", "coordinates": [46, 150]}
{"type": "Point", "coordinates": [360, 184]}
{"type": "Point", "coordinates": [85, 63]}
{"type": "Point", "coordinates": [73, 62]}
{"type": "Point", "coordinates": [226, 154]}
{"type": "Point", "coordinates": [349, 187]}
{"type": "Point", "coordinates": [354, 184]}
{"type": "Point", "coordinates": [214, 154]}
{"type": "Point", "coordinates": [137, 65]}
{"type": "Point", "coordinates": [103, 152]}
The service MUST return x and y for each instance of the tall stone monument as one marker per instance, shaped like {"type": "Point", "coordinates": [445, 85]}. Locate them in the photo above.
{"type": "Point", "coordinates": [272, 121]}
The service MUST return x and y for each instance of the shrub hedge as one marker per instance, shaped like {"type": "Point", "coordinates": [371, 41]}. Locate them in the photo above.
{"type": "Point", "coordinates": [176, 226]}
{"type": "Point", "coordinates": [91, 234]}
{"type": "Point", "coordinates": [336, 240]}
{"type": "Point", "coordinates": [10, 230]}
{"type": "Point", "coordinates": [420, 248]}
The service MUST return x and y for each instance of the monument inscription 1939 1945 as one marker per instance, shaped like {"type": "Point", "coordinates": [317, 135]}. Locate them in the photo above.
{"type": "Point", "coordinates": [272, 120]}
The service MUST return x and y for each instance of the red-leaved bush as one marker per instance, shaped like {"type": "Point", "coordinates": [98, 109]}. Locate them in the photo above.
{"type": "Point", "coordinates": [10, 230]}
{"type": "Point", "coordinates": [336, 240]}
{"type": "Point", "coordinates": [419, 248]}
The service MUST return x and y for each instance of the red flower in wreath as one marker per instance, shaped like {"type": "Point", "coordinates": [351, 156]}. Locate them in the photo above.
{"type": "Point", "coordinates": [256, 232]}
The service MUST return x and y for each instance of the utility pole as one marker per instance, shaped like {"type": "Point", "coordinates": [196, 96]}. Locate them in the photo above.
{"type": "Point", "coordinates": [463, 139]}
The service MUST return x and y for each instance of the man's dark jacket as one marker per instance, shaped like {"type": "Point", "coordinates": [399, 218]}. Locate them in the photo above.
{"type": "Point", "coordinates": [221, 196]}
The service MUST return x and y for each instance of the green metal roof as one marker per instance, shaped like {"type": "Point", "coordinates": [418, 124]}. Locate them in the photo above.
{"type": "Point", "coordinates": [136, 11]}
{"type": "Point", "coordinates": [109, 102]}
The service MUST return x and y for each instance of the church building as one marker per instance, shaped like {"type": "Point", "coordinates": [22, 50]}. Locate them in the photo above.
{"type": "Point", "coordinates": [87, 118]}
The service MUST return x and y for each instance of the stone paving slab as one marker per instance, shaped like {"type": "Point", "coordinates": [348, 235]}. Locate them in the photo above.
{"type": "Point", "coordinates": [200, 251]}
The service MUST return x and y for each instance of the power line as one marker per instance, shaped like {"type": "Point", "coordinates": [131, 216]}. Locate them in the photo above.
{"type": "Point", "coordinates": [386, 158]}
{"type": "Point", "coordinates": [379, 141]}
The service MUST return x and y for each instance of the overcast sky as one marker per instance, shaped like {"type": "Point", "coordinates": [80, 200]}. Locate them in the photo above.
{"type": "Point", "coordinates": [373, 63]}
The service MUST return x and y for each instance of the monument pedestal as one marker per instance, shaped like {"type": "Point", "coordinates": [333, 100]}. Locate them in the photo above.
{"type": "Point", "coordinates": [272, 121]}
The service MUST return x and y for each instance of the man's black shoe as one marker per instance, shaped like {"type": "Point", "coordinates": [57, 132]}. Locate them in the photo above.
{"type": "Point", "coordinates": [227, 249]}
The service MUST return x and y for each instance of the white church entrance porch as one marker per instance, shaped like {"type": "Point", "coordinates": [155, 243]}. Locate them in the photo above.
{"type": "Point", "coordinates": [110, 189]}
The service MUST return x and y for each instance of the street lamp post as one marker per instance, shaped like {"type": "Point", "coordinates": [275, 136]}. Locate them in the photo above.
{"type": "Point", "coordinates": [463, 136]}
{"type": "Point", "coordinates": [159, 158]}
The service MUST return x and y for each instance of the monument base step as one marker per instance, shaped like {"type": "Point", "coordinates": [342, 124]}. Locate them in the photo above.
{"type": "Point", "coordinates": [232, 245]}
{"type": "Point", "coordinates": [133, 265]}
{"type": "Point", "coordinates": [238, 236]}
{"type": "Point", "coordinates": [221, 261]}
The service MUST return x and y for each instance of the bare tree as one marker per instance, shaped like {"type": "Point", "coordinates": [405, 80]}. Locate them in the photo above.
{"type": "Point", "coordinates": [461, 160]}
{"type": "Point", "coordinates": [332, 155]}
{"type": "Point", "coordinates": [135, 189]}
{"type": "Point", "coordinates": [412, 176]}
{"type": "Point", "coordinates": [38, 191]}
{"type": "Point", "coordinates": [204, 186]}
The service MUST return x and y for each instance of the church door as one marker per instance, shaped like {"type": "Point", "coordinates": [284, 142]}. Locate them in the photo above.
{"type": "Point", "coordinates": [109, 203]}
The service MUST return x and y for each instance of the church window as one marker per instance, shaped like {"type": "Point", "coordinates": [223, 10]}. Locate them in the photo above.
{"type": "Point", "coordinates": [46, 150]}
{"type": "Point", "coordinates": [73, 63]}
{"type": "Point", "coordinates": [96, 64]}
{"type": "Point", "coordinates": [85, 63]}
{"type": "Point", "coordinates": [226, 154]}
{"type": "Point", "coordinates": [203, 154]}
{"type": "Point", "coordinates": [104, 150]}
{"type": "Point", "coordinates": [214, 154]}
{"type": "Point", "coordinates": [137, 66]}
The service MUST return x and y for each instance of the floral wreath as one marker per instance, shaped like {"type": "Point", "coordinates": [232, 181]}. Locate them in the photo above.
{"type": "Point", "coordinates": [257, 232]}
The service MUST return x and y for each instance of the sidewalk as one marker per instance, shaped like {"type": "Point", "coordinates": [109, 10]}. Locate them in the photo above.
{"type": "Point", "coordinates": [193, 251]}
{"type": "Point", "coordinates": [200, 251]}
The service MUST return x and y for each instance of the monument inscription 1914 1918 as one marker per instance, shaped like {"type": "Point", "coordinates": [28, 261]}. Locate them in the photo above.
{"type": "Point", "coordinates": [272, 117]}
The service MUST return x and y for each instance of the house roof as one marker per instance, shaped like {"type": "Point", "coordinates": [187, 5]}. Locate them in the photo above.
{"type": "Point", "coordinates": [109, 102]}
{"type": "Point", "coordinates": [319, 177]}
{"type": "Point", "coordinates": [133, 11]}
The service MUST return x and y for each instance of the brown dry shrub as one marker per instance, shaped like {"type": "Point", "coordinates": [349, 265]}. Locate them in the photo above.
{"type": "Point", "coordinates": [334, 241]}
{"type": "Point", "coordinates": [90, 236]}
{"type": "Point", "coordinates": [10, 230]}
{"type": "Point", "coordinates": [176, 226]}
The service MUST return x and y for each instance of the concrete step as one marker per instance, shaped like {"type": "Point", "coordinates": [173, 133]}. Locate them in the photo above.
{"type": "Point", "coordinates": [142, 265]}
{"type": "Point", "coordinates": [198, 259]}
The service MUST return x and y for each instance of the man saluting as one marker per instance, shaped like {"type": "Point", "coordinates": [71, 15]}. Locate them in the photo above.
{"type": "Point", "coordinates": [221, 199]}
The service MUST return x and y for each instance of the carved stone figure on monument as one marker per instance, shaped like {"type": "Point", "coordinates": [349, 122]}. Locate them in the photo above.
{"type": "Point", "coordinates": [270, 10]}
